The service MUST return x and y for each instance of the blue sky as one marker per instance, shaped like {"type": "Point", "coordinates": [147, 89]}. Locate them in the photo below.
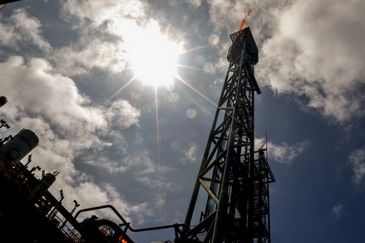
{"type": "Point", "coordinates": [65, 69]}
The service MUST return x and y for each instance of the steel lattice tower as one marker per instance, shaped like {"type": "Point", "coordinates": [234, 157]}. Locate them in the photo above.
{"type": "Point", "coordinates": [235, 177]}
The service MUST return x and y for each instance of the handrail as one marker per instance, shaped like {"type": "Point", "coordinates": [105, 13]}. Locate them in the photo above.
{"type": "Point", "coordinates": [127, 224]}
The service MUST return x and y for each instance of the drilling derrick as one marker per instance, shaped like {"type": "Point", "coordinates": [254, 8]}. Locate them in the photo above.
{"type": "Point", "coordinates": [234, 176]}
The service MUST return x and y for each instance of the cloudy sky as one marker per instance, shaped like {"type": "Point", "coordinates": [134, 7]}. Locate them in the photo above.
{"type": "Point", "coordinates": [122, 96]}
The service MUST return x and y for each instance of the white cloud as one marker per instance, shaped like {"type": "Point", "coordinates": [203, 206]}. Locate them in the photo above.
{"type": "Point", "coordinates": [22, 29]}
{"type": "Point", "coordinates": [146, 175]}
{"type": "Point", "coordinates": [122, 113]}
{"type": "Point", "coordinates": [338, 211]}
{"type": "Point", "coordinates": [66, 123]}
{"type": "Point", "coordinates": [191, 152]}
{"type": "Point", "coordinates": [99, 12]}
{"type": "Point", "coordinates": [187, 153]}
{"type": "Point", "coordinates": [137, 163]}
{"type": "Point", "coordinates": [312, 49]}
{"type": "Point", "coordinates": [156, 182]}
{"type": "Point", "coordinates": [282, 153]}
{"type": "Point", "coordinates": [35, 87]}
{"type": "Point", "coordinates": [90, 51]}
{"type": "Point", "coordinates": [193, 3]}
{"type": "Point", "coordinates": [101, 26]}
{"type": "Point", "coordinates": [50, 104]}
{"type": "Point", "coordinates": [108, 30]}
{"type": "Point", "coordinates": [317, 52]}
{"type": "Point", "coordinates": [357, 160]}
{"type": "Point", "coordinates": [226, 16]}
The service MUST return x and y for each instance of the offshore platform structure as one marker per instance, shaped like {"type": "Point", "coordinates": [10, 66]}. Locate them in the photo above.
{"type": "Point", "coordinates": [234, 176]}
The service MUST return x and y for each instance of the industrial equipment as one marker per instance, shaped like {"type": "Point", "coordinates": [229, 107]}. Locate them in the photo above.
{"type": "Point", "coordinates": [233, 176]}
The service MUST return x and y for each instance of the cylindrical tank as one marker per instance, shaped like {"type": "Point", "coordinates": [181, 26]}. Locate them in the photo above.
{"type": "Point", "coordinates": [21, 144]}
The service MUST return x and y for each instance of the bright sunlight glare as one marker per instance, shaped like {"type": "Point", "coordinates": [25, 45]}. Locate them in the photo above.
{"type": "Point", "coordinates": [152, 55]}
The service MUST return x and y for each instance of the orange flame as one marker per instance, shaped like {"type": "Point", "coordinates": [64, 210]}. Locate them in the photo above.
{"type": "Point", "coordinates": [244, 20]}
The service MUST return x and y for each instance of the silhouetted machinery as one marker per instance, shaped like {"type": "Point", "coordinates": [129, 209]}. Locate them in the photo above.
{"type": "Point", "coordinates": [234, 177]}
{"type": "Point", "coordinates": [3, 100]}
{"type": "Point", "coordinates": [8, 1]}
{"type": "Point", "coordinates": [3, 3]}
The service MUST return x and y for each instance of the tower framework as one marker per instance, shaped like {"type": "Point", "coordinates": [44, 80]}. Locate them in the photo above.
{"type": "Point", "coordinates": [233, 175]}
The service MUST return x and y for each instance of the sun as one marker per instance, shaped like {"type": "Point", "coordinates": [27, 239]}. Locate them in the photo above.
{"type": "Point", "coordinates": [152, 55]}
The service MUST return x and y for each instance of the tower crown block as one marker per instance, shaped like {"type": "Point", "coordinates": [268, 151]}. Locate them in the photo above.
{"type": "Point", "coordinates": [243, 40]}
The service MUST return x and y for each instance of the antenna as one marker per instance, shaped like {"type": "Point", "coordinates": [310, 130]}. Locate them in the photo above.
{"type": "Point", "coordinates": [29, 160]}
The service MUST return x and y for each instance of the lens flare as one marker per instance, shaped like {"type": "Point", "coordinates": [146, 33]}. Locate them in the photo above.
{"type": "Point", "coordinates": [191, 113]}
